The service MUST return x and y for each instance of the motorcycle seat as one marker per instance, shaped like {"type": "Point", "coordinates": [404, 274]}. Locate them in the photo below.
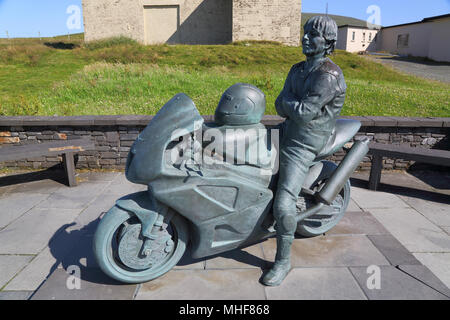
{"type": "Point", "coordinates": [343, 132]}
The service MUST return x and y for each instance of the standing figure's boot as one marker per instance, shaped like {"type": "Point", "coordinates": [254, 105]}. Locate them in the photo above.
{"type": "Point", "coordinates": [282, 264]}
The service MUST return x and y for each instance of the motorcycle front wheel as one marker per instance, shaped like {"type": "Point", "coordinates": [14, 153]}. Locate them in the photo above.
{"type": "Point", "coordinates": [321, 223]}
{"type": "Point", "coordinates": [117, 247]}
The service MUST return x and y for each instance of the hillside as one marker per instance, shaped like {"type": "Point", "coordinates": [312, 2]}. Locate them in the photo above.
{"type": "Point", "coordinates": [120, 76]}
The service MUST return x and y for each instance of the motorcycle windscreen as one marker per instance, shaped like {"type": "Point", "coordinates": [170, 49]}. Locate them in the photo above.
{"type": "Point", "coordinates": [146, 158]}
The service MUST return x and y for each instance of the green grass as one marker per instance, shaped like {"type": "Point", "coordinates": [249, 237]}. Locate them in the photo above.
{"type": "Point", "coordinates": [144, 88]}
{"type": "Point", "coordinates": [120, 76]}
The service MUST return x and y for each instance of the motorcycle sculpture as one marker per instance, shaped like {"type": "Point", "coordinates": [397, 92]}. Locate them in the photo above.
{"type": "Point", "coordinates": [216, 206]}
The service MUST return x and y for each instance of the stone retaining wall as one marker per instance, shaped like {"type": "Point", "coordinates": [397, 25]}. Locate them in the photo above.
{"type": "Point", "coordinates": [115, 134]}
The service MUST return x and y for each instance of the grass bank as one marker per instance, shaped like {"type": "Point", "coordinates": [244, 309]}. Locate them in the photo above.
{"type": "Point", "coordinates": [119, 76]}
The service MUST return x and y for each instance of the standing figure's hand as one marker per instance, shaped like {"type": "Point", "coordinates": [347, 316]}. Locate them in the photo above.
{"type": "Point", "coordinates": [289, 105]}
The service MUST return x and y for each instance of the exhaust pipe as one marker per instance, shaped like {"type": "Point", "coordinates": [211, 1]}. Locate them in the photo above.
{"type": "Point", "coordinates": [339, 177]}
{"type": "Point", "coordinates": [344, 171]}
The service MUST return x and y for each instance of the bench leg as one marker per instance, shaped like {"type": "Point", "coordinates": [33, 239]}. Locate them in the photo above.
{"type": "Point", "coordinates": [69, 167]}
{"type": "Point", "coordinates": [375, 172]}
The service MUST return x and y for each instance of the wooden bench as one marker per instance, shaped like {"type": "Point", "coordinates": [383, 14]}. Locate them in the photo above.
{"type": "Point", "coordinates": [379, 150]}
{"type": "Point", "coordinates": [67, 148]}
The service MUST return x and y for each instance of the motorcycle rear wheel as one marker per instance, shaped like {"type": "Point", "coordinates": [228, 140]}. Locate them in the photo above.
{"type": "Point", "coordinates": [320, 224]}
{"type": "Point", "coordinates": [106, 247]}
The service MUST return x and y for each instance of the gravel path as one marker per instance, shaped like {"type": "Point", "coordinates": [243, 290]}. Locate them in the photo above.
{"type": "Point", "coordinates": [425, 69]}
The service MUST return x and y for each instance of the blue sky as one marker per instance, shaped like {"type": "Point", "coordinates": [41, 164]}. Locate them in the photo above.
{"type": "Point", "coordinates": [25, 18]}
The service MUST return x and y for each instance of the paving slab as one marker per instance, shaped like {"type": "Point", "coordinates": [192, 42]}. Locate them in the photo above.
{"type": "Point", "coordinates": [393, 250]}
{"type": "Point", "coordinates": [438, 263]}
{"type": "Point", "coordinates": [436, 212]}
{"type": "Point", "coordinates": [413, 230]}
{"type": "Point", "coordinates": [63, 237]}
{"type": "Point", "coordinates": [89, 217]}
{"type": "Point", "coordinates": [404, 179]}
{"type": "Point", "coordinates": [332, 251]}
{"type": "Point", "coordinates": [368, 199]}
{"type": "Point", "coordinates": [5, 190]}
{"type": "Point", "coordinates": [31, 277]}
{"type": "Point", "coordinates": [426, 184]}
{"type": "Point", "coordinates": [446, 229]}
{"type": "Point", "coordinates": [394, 285]}
{"type": "Point", "coordinates": [31, 232]}
{"type": "Point", "coordinates": [438, 180]}
{"type": "Point", "coordinates": [75, 197]}
{"type": "Point", "coordinates": [97, 176]}
{"type": "Point", "coordinates": [10, 265]}
{"type": "Point", "coordinates": [84, 189]}
{"type": "Point", "coordinates": [81, 254]}
{"type": "Point", "coordinates": [353, 207]}
{"type": "Point", "coordinates": [44, 186]}
{"type": "Point", "coordinates": [120, 186]}
{"type": "Point", "coordinates": [250, 257]}
{"type": "Point", "coordinates": [104, 201]}
{"type": "Point", "coordinates": [317, 284]}
{"type": "Point", "coordinates": [423, 274]}
{"type": "Point", "coordinates": [235, 284]}
{"type": "Point", "coordinates": [59, 201]}
{"type": "Point", "coordinates": [15, 295]}
{"type": "Point", "coordinates": [94, 285]}
{"type": "Point", "coordinates": [15, 205]}
{"type": "Point", "coordinates": [68, 247]}
{"type": "Point", "coordinates": [358, 223]}
{"type": "Point", "coordinates": [188, 263]}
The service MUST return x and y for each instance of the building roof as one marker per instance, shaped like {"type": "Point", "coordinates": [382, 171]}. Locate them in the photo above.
{"type": "Point", "coordinates": [398, 25]}
{"type": "Point", "coordinates": [359, 27]}
{"type": "Point", "coordinates": [423, 21]}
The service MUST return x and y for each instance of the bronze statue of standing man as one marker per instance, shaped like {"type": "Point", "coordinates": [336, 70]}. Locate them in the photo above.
{"type": "Point", "coordinates": [311, 100]}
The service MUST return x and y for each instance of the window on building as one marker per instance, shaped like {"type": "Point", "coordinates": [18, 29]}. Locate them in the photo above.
{"type": "Point", "coordinates": [403, 40]}
{"type": "Point", "coordinates": [353, 35]}
{"type": "Point", "coordinates": [370, 37]}
{"type": "Point", "coordinates": [364, 36]}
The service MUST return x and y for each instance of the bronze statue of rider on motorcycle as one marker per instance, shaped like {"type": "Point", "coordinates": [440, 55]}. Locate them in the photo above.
{"type": "Point", "coordinates": [218, 207]}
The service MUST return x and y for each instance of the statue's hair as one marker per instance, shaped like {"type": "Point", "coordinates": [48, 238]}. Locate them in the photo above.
{"type": "Point", "coordinates": [327, 28]}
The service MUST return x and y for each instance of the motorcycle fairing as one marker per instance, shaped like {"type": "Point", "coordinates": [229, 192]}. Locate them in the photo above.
{"type": "Point", "coordinates": [223, 211]}
{"type": "Point", "coordinates": [229, 232]}
{"type": "Point", "coordinates": [145, 160]}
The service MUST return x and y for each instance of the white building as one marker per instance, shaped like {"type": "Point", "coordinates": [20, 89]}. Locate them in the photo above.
{"type": "Point", "coordinates": [429, 38]}
{"type": "Point", "coordinates": [356, 39]}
